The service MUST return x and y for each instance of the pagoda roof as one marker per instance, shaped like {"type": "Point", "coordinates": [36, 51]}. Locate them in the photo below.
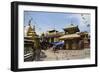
{"type": "Point", "coordinates": [28, 40]}
{"type": "Point", "coordinates": [69, 36]}
{"type": "Point", "coordinates": [72, 26]}
{"type": "Point", "coordinates": [27, 37]}
{"type": "Point", "coordinates": [84, 33]}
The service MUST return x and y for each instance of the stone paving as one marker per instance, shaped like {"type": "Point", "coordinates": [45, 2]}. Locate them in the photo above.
{"type": "Point", "coordinates": [48, 55]}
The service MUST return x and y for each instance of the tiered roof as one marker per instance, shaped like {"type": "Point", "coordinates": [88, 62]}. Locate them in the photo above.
{"type": "Point", "coordinates": [70, 28]}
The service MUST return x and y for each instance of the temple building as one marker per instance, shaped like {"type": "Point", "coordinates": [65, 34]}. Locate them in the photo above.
{"type": "Point", "coordinates": [52, 36]}
{"type": "Point", "coordinates": [74, 39]}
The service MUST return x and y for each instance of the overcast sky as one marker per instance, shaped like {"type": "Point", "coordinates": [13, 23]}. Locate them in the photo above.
{"type": "Point", "coordinates": [45, 21]}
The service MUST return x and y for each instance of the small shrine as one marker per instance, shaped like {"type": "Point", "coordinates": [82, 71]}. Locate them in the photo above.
{"type": "Point", "coordinates": [71, 38]}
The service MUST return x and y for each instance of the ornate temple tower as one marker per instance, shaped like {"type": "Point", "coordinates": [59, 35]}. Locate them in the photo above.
{"type": "Point", "coordinates": [30, 37]}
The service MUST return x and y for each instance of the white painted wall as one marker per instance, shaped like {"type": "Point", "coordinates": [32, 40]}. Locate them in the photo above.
{"type": "Point", "coordinates": [5, 18]}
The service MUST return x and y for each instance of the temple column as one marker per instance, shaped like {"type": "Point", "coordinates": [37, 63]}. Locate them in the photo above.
{"type": "Point", "coordinates": [74, 45]}
{"type": "Point", "coordinates": [66, 44]}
